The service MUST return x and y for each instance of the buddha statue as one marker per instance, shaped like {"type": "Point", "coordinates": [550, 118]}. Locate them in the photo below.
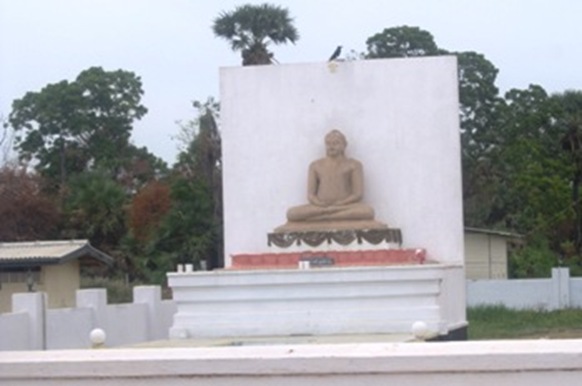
{"type": "Point", "coordinates": [335, 188]}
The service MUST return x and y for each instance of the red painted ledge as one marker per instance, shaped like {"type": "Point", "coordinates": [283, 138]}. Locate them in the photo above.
{"type": "Point", "coordinates": [340, 258]}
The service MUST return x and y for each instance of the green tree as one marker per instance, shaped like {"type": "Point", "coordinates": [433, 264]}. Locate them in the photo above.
{"type": "Point", "coordinates": [184, 233]}
{"type": "Point", "coordinates": [401, 42]}
{"type": "Point", "coordinates": [179, 219]}
{"type": "Point", "coordinates": [529, 182]}
{"type": "Point", "coordinates": [138, 168]}
{"type": "Point", "coordinates": [201, 161]}
{"type": "Point", "coordinates": [71, 127]}
{"type": "Point", "coordinates": [479, 106]}
{"type": "Point", "coordinates": [569, 120]}
{"type": "Point", "coordinates": [251, 28]}
{"type": "Point", "coordinates": [95, 209]}
{"type": "Point", "coordinates": [534, 172]}
{"type": "Point", "coordinates": [188, 232]}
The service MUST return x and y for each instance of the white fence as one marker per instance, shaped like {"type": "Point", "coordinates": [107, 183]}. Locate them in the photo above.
{"type": "Point", "coordinates": [30, 326]}
{"type": "Point", "coordinates": [558, 292]}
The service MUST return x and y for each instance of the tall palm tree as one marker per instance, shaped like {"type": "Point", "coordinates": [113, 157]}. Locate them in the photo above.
{"type": "Point", "coordinates": [251, 28]}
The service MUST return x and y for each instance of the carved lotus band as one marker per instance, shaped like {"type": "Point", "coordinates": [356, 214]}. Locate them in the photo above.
{"type": "Point", "coordinates": [342, 237]}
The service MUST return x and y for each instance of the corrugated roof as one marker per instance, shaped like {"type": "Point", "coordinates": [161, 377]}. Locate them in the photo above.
{"type": "Point", "coordinates": [48, 252]}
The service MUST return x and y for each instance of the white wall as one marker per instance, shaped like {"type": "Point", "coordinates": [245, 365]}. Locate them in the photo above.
{"type": "Point", "coordinates": [558, 292]}
{"type": "Point", "coordinates": [401, 120]}
{"type": "Point", "coordinates": [479, 363]}
{"type": "Point", "coordinates": [576, 292]}
{"type": "Point", "coordinates": [527, 293]}
{"type": "Point", "coordinates": [32, 327]}
{"type": "Point", "coordinates": [69, 328]}
{"type": "Point", "coordinates": [14, 333]}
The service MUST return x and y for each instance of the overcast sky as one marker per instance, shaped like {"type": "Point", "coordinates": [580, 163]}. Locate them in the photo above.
{"type": "Point", "coordinates": [170, 45]}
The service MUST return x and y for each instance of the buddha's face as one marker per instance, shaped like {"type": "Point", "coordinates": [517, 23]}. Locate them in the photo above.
{"type": "Point", "coordinates": [334, 146]}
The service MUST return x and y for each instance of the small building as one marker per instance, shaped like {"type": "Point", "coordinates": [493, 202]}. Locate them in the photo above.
{"type": "Point", "coordinates": [486, 253]}
{"type": "Point", "coordinates": [49, 266]}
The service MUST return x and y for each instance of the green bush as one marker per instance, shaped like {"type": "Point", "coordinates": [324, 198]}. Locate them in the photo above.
{"type": "Point", "coordinates": [535, 259]}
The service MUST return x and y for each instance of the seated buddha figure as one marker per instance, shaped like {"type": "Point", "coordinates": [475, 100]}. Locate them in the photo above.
{"type": "Point", "coordinates": [335, 188]}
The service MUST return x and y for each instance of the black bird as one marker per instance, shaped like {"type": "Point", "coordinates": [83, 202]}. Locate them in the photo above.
{"type": "Point", "coordinates": [336, 53]}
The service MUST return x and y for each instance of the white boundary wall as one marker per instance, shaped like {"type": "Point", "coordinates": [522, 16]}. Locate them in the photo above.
{"type": "Point", "coordinates": [150, 319]}
{"type": "Point", "coordinates": [500, 363]}
{"type": "Point", "coordinates": [558, 292]}
{"type": "Point", "coordinates": [31, 326]}
{"type": "Point", "coordinates": [401, 119]}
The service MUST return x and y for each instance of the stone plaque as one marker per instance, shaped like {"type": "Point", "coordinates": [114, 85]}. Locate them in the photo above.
{"type": "Point", "coordinates": [319, 261]}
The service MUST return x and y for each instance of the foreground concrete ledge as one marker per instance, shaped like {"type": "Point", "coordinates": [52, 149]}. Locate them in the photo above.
{"type": "Point", "coordinates": [298, 360]}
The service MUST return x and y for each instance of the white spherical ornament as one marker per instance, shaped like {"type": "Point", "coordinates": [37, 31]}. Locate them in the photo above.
{"type": "Point", "coordinates": [97, 337]}
{"type": "Point", "coordinates": [420, 330]}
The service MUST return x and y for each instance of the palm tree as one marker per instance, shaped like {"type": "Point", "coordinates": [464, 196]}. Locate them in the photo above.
{"type": "Point", "coordinates": [251, 28]}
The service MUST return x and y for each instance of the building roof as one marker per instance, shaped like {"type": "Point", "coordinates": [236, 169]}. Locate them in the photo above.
{"type": "Point", "coordinates": [33, 253]}
{"type": "Point", "coordinates": [509, 235]}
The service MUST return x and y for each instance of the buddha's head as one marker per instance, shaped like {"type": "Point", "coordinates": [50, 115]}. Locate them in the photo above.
{"type": "Point", "coordinates": [335, 143]}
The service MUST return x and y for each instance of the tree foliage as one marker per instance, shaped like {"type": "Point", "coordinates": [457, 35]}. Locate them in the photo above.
{"type": "Point", "coordinates": [148, 208]}
{"type": "Point", "coordinates": [27, 213]}
{"type": "Point", "coordinates": [201, 162]}
{"type": "Point", "coordinates": [178, 219]}
{"type": "Point", "coordinates": [401, 42]}
{"type": "Point", "coordinates": [569, 121]}
{"type": "Point", "coordinates": [187, 233]}
{"type": "Point", "coordinates": [72, 127]}
{"type": "Point", "coordinates": [251, 28]}
{"type": "Point", "coordinates": [95, 209]}
{"type": "Point", "coordinates": [139, 168]}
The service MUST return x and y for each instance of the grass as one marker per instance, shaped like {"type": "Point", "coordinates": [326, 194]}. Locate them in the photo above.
{"type": "Point", "coordinates": [498, 322]}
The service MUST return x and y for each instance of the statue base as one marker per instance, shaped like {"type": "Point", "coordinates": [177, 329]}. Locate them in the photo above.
{"type": "Point", "coordinates": [324, 301]}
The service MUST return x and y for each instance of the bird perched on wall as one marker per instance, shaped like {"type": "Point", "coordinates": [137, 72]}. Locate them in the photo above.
{"type": "Point", "coordinates": [336, 53]}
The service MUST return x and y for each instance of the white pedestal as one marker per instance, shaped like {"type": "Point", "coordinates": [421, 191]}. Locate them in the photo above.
{"type": "Point", "coordinates": [322, 301]}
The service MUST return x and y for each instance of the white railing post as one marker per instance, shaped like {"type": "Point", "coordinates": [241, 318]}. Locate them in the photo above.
{"type": "Point", "coordinates": [33, 304]}
{"type": "Point", "coordinates": [560, 288]}
{"type": "Point", "coordinates": [151, 296]}
{"type": "Point", "coordinates": [95, 299]}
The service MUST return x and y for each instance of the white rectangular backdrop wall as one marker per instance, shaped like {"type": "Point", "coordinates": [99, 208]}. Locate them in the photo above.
{"type": "Point", "coordinates": [401, 119]}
